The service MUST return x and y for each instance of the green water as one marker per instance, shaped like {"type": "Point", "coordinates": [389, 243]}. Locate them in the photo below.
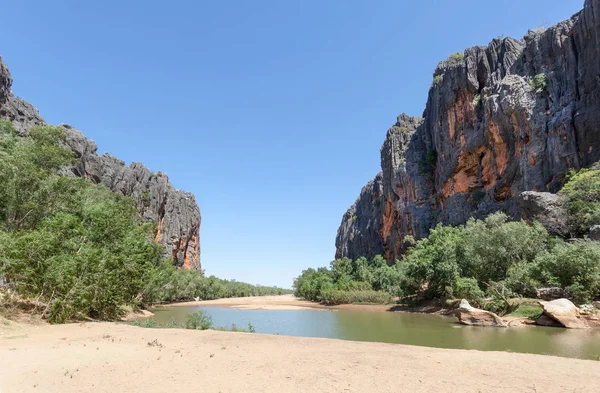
{"type": "Point", "coordinates": [401, 328]}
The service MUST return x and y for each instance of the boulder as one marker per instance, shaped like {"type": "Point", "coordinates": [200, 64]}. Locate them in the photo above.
{"type": "Point", "coordinates": [469, 315]}
{"type": "Point", "coordinates": [551, 293]}
{"type": "Point", "coordinates": [565, 313]}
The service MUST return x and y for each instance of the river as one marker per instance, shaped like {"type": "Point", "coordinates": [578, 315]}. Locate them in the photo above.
{"type": "Point", "coordinates": [400, 328]}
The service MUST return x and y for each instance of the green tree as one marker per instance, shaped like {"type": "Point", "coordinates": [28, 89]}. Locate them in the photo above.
{"type": "Point", "coordinates": [432, 265]}
{"type": "Point", "coordinates": [492, 246]}
{"type": "Point", "coordinates": [574, 266]}
{"type": "Point", "coordinates": [582, 192]}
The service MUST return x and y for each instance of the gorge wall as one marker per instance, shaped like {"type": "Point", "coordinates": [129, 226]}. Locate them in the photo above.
{"type": "Point", "coordinates": [513, 116]}
{"type": "Point", "coordinates": [175, 213]}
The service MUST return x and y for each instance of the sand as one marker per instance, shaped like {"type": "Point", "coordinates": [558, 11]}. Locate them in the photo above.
{"type": "Point", "coordinates": [282, 302]}
{"type": "Point", "coordinates": [111, 357]}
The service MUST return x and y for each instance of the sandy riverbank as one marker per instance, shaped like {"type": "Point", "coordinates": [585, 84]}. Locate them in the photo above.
{"type": "Point", "coordinates": [282, 302]}
{"type": "Point", "coordinates": [109, 357]}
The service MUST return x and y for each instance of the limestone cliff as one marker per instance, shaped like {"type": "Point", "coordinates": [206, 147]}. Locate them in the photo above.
{"type": "Point", "coordinates": [513, 116]}
{"type": "Point", "coordinates": [175, 213]}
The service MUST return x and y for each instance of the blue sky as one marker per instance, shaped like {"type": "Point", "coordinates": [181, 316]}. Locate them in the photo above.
{"type": "Point", "coordinates": [271, 112]}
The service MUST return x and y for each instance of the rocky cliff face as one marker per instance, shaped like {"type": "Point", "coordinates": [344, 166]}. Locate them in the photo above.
{"type": "Point", "coordinates": [175, 213]}
{"type": "Point", "coordinates": [510, 117]}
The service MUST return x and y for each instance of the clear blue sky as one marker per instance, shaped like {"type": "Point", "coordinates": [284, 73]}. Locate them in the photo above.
{"type": "Point", "coordinates": [271, 112]}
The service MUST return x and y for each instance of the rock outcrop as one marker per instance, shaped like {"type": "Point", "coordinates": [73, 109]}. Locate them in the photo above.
{"type": "Point", "coordinates": [175, 213]}
{"type": "Point", "coordinates": [21, 113]}
{"type": "Point", "coordinates": [551, 293]}
{"type": "Point", "coordinates": [510, 117]}
{"type": "Point", "coordinates": [469, 315]}
{"type": "Point", "coordinates": [545, 208]}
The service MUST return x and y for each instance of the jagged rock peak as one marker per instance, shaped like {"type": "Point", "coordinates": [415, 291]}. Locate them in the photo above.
{"type": "Point", "coordinates": [175, 213]}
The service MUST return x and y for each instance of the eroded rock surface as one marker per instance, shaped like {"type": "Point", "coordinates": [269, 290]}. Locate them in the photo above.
{"type": "Point", "coordinates": [175, 213]}
{"type": "Point", "coordinates": [501, 119]}
{"type": "Point", "coordinates": [546, 208]}
{"type": "Point", "coordinates": [551, 293]}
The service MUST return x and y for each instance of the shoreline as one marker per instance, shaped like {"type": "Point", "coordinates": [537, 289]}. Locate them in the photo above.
{"type": "Point", "coordinates": [290, 302]}
{"type": "Point", "coordinates": [113, 357]}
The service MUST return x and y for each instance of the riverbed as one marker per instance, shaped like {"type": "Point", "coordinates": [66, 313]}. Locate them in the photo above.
{"type": "Point", "coordinates": [388, 327]}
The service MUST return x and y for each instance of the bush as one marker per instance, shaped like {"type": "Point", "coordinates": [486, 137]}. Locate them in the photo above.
{"type": "Point", "coordinates": [539, 83]}
{"type": "Point", "coordinates": [336, 296]}
{"type": "Point", "coordinates": [574, 266]}
{"type": "Point", "coordinates": [195, 321]}
{"type": "Point", "coordinates": [519, 280]}
{"type": "Point", "coordinates": [347, 279]}
{"type": "Point", "coordinates": [456, 58]}
{"type": "Point", "coordinates": [198, 321]}
{"type": "Point", "coordinates": [582, 192]}
{"type": "Point", "coordinates": [468, 288]}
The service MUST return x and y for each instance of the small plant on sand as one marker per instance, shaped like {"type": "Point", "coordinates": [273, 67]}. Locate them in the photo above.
{"type": "Point", "coordinates": [146, 323]}
{"type": "Point", "coordinates": [199, 321]}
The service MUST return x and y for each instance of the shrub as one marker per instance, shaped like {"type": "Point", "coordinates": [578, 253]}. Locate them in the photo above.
{"type": "Point", "coordinates": [198, 321]}
{"type": "Point", "coordinates": [477, 102]}
{"type": "Point", "coordinates": [582, 192]}
{"type": "Point", "coordinates": [352, 277]}
{"type": "Point", "coordinates": [146, 323]}
{"type": "Point", "coordinates": [456, 58]}
{"type": "Point", "coordinates": [539, 83]}
{"type": "Point", "coordinates": [336, 296]}
{"type": "Point", "coordinates": [519, 280]}
{"type": "Point", "coordinates": [468, 288]}
{"type": "Point", "coordinates": [195, 321]}
{"type": "Point", "coordinates": [574, 266]}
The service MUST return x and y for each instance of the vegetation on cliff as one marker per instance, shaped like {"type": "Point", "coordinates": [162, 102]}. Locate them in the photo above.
{"type": "Point", "coordinates": [79, 249]}
{"type": "Point", "coordinates": [485, 261]}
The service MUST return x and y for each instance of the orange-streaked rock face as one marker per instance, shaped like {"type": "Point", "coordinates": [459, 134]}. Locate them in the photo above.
{"type": "Point", "coordinates": [488, 134]}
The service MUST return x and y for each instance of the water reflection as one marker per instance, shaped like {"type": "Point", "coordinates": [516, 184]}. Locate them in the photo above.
{"type": "Point", "coordinates": [401, 328]}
